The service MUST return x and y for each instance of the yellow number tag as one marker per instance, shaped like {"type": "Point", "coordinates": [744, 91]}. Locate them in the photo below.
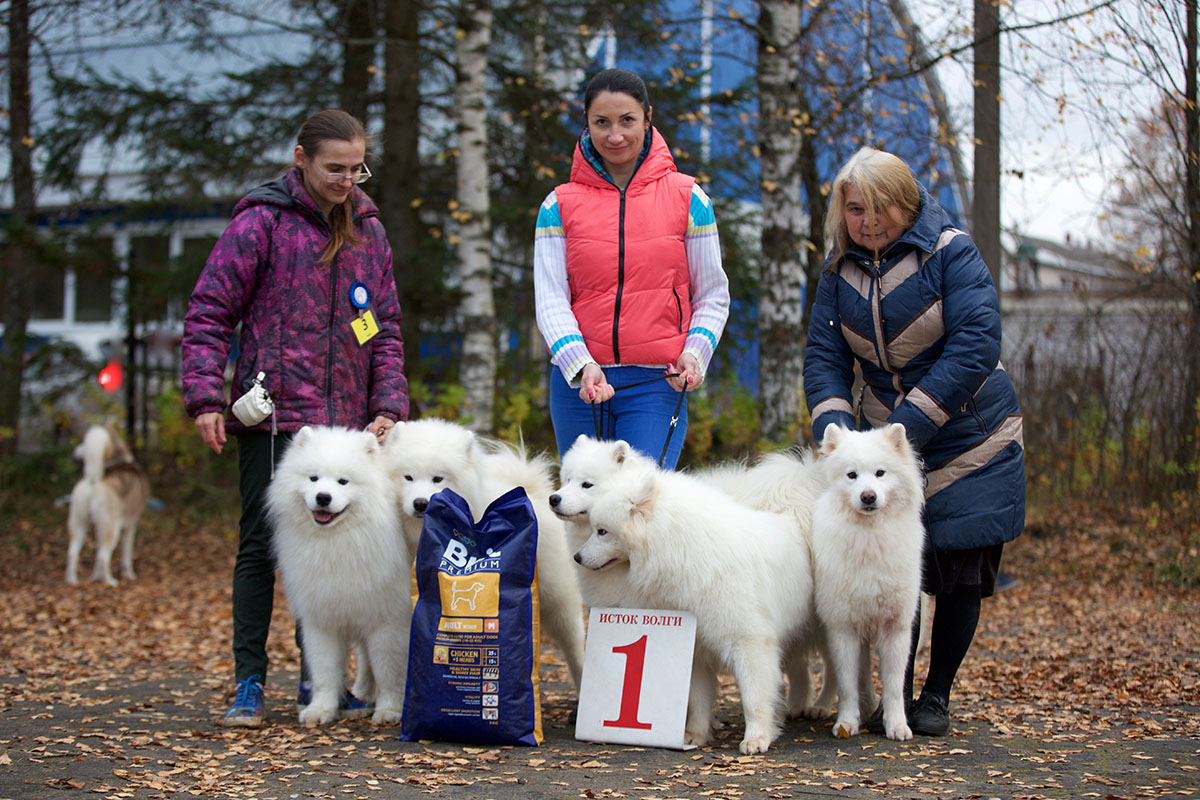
{"type": "Point", "coordinates": [364, 327]}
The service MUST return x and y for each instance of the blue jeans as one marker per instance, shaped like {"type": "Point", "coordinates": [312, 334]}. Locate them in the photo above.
{"type": "Point", "coordinates": [641, 415]}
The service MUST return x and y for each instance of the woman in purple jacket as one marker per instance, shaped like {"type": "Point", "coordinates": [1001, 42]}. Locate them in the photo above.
{"type": "Point", "coordinates": [306, 270]}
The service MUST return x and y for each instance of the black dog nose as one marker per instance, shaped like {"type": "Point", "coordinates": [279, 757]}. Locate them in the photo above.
{"type": "Point", "coordinates": [420, 504]}
{"type": "Point", "coordinates": [324, 499]}
{"type": "Point", "coordinates": [555, 500]}
{"type": "Point", "coordinates": [578, 560]}
{"type": "Point", "coordinates": [868, 498]}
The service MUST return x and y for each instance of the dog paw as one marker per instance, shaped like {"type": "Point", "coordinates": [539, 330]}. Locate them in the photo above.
{"type": "Point", "coordinates": [316, 715]}
{"type": "Point", "coordinates": [695, 738]}
{"type": "Point", "coordinates": [811, 712]}
{"type": "Point", "coordinates": [899, 733]}
{"type": "Point", "coordinates": [844, 729]}
{"type": "Point", "coordinates": [386, 716]}
{"type": "Point", "coordinates": [755, 744]}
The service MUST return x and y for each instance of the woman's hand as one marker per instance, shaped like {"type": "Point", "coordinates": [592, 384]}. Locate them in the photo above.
{"type": "Point", "coordinates": [212, 429]}
{"type": "Point", "coordinates": [690, 377]}
{"type": "Point", "coordinates": [594, 387]}
{"type": "Point", "coordinates": [381, 426]}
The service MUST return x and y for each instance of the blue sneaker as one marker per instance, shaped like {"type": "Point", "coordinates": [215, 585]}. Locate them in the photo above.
{"type": "Point", "coordinates": [349, 707]}
{"type": "Point", "coordinates": [247, 708]}
{"type": "Point", "coordinates": [1005, 582]}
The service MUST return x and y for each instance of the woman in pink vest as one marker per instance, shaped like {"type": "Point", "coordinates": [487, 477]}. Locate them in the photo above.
{"type": "Point", "coordinates": [627, 277]}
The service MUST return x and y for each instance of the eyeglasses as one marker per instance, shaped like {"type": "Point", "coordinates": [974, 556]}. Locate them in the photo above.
{"type": "Point", "coordinates": [359, 175]}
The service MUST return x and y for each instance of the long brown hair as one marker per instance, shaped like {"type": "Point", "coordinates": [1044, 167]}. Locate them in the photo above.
{"type": "Point", "coordinates": [333, 123]}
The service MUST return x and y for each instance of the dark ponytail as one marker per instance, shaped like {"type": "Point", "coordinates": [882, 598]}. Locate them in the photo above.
{"type": "Point", "coordinates": [323, 126]}
{"type": "Point", "coordinates": [617, 80]}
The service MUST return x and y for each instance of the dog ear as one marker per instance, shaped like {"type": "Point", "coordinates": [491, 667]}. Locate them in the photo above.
{"type": "Point", "coordinates": [303, 435]}
{"type": "Point", "coordinates": [390, 441]}
{"type": "Point", "coordinates": [829, 441]}
{"type": "Point", "coordinates": [897, 437]}
{"type": "Point", "coordinates": [112, 448]}
{"type": "Point", "coordinates": [370, 442]}
{"type": "Point", "coordinates": [621, 450]}
{"type": "Point", "coordinates": [642, 500]}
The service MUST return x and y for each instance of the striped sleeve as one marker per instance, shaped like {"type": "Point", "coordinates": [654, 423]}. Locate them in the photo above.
{"type": "Point", "coordinates": [710, 286]}
{"type": "Point", "coordinates": [552, 295]}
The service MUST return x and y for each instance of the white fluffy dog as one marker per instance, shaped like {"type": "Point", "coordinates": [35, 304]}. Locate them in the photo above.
{"type": "Point", "coordinates": [345, 567]}
{"type": "Point", "coordinates": [428, 455]}
{"type": "Point", "coordinates": [867, 542]}
{"type": "Point", "coordinates": [789, 483]}
{"type": "Point", "coordinates": [588, 468]}
{"type": "Point", "coordinates": [110, 498]}
{"type": "Point", "coordinates": [744, 573]}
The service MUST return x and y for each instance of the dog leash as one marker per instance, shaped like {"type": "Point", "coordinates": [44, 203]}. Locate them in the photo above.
{"type": "Point", "coordinates": [605, 408]}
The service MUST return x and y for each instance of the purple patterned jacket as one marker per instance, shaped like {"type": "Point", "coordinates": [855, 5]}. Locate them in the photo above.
{"type": "Point", "coordinates": [295, 315]}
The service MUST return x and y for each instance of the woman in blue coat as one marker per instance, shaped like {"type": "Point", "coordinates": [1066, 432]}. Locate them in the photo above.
{"type": "Point", "coordinates": [908, 297]}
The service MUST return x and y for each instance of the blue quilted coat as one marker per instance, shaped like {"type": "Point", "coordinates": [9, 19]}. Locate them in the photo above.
{"type": "Point", "coordinates": [923, 323]}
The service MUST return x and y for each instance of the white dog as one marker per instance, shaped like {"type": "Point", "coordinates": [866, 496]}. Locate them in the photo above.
{"type": "Point", "coordinates": [744, 573]}
{"type": "Point", "coordinates": [789, 483]}
{"type": "Point", "coordinates": [428, 455]}
{"type": "Point", "coordinates": [867, 542]}
{"type": "Point", "coordinates": [110, 498]}
{"type": "Point", "coordinates": [588, 468]}
{"type": "Point", "coordinates": [345, 567]}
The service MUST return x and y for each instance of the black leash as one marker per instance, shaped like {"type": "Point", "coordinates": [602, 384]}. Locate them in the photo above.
{"type": "Point", "coordinates": [605, 408]}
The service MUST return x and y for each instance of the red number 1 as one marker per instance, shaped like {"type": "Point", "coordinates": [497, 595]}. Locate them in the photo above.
{"type": "Point", "coordinates": [631, 686]}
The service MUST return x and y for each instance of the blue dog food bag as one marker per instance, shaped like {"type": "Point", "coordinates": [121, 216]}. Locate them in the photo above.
{"type": "Point", "coordinates": [473, 653]}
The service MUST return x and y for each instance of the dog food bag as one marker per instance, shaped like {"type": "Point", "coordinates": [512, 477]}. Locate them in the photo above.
{"type": "Point", "coordinates": [474, 647]}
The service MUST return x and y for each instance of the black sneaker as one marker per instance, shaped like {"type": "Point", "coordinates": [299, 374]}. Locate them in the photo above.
{"type": "Point", "coordinates": [874, 723]}
{"type": "Point", "coordinates": [930, 715]}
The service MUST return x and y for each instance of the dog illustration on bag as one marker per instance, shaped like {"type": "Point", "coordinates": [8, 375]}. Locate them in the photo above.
{"type": "Point", "coordinates": [467, 594]}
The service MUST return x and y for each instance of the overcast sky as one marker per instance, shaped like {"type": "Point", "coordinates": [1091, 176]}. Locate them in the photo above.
{"type": "Point", "coordinates": [1057, 161]}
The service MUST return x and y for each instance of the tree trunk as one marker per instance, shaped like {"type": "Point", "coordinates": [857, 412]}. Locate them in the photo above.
{"type": "Point", "coordinates": [818, 206]}
{"type": "Point", "coordinates": [399, 189]}
{"type": "Point", "coordinates": [985, 203]}
{"type": "Point", "coordinates": [1191, 198]}
{"type": "Point", "coordinates": [780, 333]}
{"type": "Point", "coordinates": [478, 366]}
{"type": "Point", "coordinates": [359, 29]}
{"type": "Point", "coordinates": [19, 273]}
{"type": "Point", "coordinates": [1191, 191]}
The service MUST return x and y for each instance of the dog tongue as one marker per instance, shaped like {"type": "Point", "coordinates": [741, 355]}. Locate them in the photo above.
{"type": "Point", "coordinates": [322, 516]}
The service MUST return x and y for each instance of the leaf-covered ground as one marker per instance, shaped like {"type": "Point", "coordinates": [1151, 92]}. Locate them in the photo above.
{"type": "Point", "coordinates": [1083, 682]}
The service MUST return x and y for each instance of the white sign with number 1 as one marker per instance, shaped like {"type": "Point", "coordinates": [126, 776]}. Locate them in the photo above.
{"type": "Point", "coordinates": [636, 671]}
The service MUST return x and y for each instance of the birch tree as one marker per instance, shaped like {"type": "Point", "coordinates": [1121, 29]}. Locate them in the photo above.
{"type": "Point", "coordinates": [477, 371]}
{"type": "Point", "coordinates": [779, 137]}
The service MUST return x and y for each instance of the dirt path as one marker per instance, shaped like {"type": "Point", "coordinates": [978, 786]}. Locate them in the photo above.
{"type": "Point", "coordinates": [1083, 682]}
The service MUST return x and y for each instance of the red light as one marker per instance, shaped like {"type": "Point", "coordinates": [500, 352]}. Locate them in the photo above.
{"type": "Point", "coordinates": [112, 376]}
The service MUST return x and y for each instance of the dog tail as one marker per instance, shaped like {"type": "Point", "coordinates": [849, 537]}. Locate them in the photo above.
{"type": "Point", "coordinates": [513, 464]}
{"type": "Point", "coordinates": [95, 450]}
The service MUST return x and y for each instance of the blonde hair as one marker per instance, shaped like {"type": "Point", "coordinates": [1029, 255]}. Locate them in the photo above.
{"type": "Point", "coordinates": [884, 180]}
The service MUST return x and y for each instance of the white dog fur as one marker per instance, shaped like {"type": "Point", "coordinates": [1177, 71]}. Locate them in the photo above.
{"type": "Point", "coordinates": [789, 483]}
{"type": "Point", "coordinates": [345, 567]}
{"type": "Point", "coordinates": [589, 467]}
{"type": "Point", "coordinates": [428, 455]}
{"type": "Point", "coordinates": [109, 498]}
{"type": "Point", "coordinates": [867, 542]}
{"type": "Point", "coordinates": [744, 573]}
